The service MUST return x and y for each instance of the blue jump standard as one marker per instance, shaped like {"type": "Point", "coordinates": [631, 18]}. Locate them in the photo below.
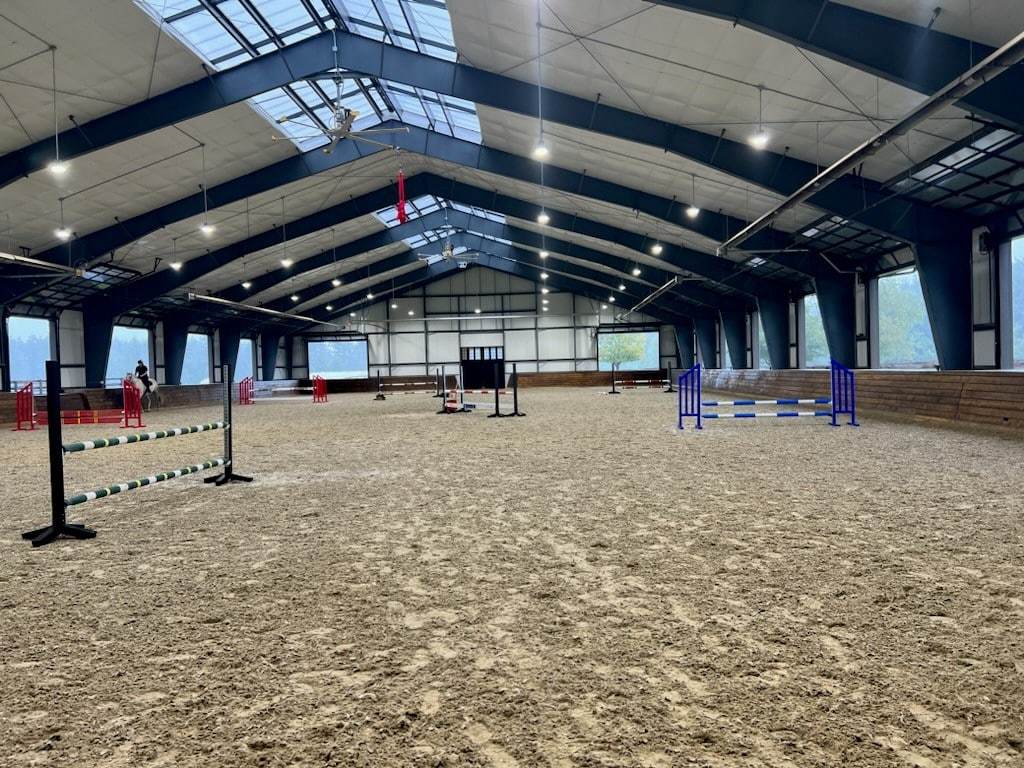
{"type": "Point", "coordinates": [843, 400]}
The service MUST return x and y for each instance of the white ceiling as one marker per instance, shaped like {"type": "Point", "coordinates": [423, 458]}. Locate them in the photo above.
{"type": "Point", "coordinates": [613, 249]}
{"type": "Point", "coordinates": [353, 292]}
{"type": "Point", "coordinates": [595, 210]}
{"type": "Point", "coordinates": [259, 263]}
{"type": "Point", "coordinates": [638, 166]}
{"type": "Point", "coordinates": [695, 71]}
{"type": "Point", "coordinates": [107, 57]}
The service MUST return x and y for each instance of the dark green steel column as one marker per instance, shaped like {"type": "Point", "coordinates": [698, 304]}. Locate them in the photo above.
{"type": "Point", "coordinates": [837, 298]}
{"type": "Point", "coordinates": [684, 345]}
{"type": "Point", "coordinates": [945, 272]}
{"type": "Point", "coordinates": [707, 338]}
{"type": "Point", "coordinates": [774, 312]}
{"type": "Point", "coordinates": [175, 341]}
{"type": "Point", "coordinates": [97, 335]}
{"type": "Point", "coordinates": [270, 342]}
{"type": "Point", "coordinates": [734, 323]}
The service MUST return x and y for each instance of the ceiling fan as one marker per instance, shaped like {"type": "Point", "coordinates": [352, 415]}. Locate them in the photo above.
{"type": "Point", "coordinates": [342, 118]}
{"type": "Point", "coordinates": [448, 250]}
{"type": "Point", "coordinates": [448, 254]}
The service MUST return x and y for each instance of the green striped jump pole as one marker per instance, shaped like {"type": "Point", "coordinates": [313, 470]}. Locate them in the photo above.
{"type": "Point", "coordinates": [131, 485]}
{"type": "Point", "coordinates": [140, 437]}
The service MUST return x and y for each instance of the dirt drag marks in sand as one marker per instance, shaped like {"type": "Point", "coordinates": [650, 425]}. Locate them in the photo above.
{"type": "Point", "coordinates": [583, 587]}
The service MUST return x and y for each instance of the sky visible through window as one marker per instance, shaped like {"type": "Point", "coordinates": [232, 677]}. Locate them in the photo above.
{"type": "Point", "coordinates": [30, 348]}
{"type": "Point", "coordinates": [196, 369]}
{"type": "Point", "coordinates": [230, 33]}
{"type": "Point", "coordinates": [243, 365]}
{"type": "Point", "coordinates": [127, 347]}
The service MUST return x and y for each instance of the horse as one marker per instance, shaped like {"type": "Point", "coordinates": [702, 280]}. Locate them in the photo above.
{"type": "Point", "coordinates": [149, 394]}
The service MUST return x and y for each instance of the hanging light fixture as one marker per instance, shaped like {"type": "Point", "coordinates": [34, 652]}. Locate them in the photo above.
{"type": "Point", "coordinates": [542, 218]}
{"type": "Point", "coordinates": [540, 151]}
{"type": "Point", "coordinates": [693, 211]}
{"type": "Point", "coordinates": [57, 166]}
{"type": "Point", "coordinates": [543, 275]}
{"type": "Point", "coordinates": [295, 297]}
{"type": "Point", "coordinates": [329, 307]}
{"type": "Point", "coordinates": [759, 139]}
{"type": "Point", "coordinates": [656, 249]}
{"type": "Point", "coordinates": [637, 270]}
{"type": "Point", "coordinates": [206, 227]}
{"type": "Point", "coordinates": [62, 232]}
{"type": "Point", "coordinates": [174, 263]}
{"type": "Point", "coordinates": [544, 254]}
{"type": "Point", "coordinates": [335, 282]}
{"type": "Point", "coordinates": [622, 286]}
{"type": "Point", "coordinates": [247, 285]}
{"type": "Point", "coordinates": [369, 295]}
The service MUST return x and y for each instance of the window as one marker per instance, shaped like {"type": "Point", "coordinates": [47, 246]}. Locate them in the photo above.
{"type": "Point", "coordinates": [904, 333]}
{"type": "Point", "coordinates": [243, 365]}
{"type": "Point", "coordinates": [127, 347]}
{"type": "Point", "coordinates": [764, 359]}
{"type": "Point", "coordinates": [814, 331]}
{"type": "Point", "coordinates": [339, 359]}
{"type": "Point", "coordinates": [1017, 289]}
{"type": "Point", "coordinates": [30, 348]}
{"type": "Point", "coordinates": [629, 351]}
{"type": "Point", "coordinates": [196, 369]}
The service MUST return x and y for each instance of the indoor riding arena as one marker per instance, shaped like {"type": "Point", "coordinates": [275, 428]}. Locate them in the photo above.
{"type": "Point", "coordinates": [512, 384]}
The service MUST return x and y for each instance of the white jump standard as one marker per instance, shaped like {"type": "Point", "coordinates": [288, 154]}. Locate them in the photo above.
{"type": "Point", "coordinates": [59, 526]}
{"type": "Point", "coordinates": [842, 401]}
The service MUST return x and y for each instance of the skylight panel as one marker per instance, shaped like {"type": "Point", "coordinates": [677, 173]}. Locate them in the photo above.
{"type": "Point", "coordinates": [284, 15]}
{"type": "Point", "coordinates": [243, 21]}
{"type": "Point", "coordinates": [227, 32]}
{"type": "Point", "coordinates": [206, 35]}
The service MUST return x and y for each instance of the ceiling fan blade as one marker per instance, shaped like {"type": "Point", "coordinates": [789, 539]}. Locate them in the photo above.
{"type": "Point", "coordinates": [403, 129]}
{"type": "Point", "coordinates": [371, 141]}
{"type": "Point", "coordinates": [309, 126]}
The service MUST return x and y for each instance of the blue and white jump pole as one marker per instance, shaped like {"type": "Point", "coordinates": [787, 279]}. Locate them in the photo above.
{"type": "Point", "coordinates": [843, 400]}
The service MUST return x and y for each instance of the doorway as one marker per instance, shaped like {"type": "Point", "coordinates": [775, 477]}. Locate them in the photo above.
{"type": "Point", "coordinates": [478, 367]}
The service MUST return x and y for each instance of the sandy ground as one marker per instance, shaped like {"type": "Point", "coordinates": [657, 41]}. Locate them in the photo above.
{"type": "Point", "coordinates": [582, 587]}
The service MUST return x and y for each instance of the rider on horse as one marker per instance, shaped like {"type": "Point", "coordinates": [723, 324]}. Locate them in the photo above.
{"type": "Point", "coordinates": [142, 373]}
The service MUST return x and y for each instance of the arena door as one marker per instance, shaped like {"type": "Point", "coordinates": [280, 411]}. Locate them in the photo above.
{"type": "Point", "coordinates": [478, 367]}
